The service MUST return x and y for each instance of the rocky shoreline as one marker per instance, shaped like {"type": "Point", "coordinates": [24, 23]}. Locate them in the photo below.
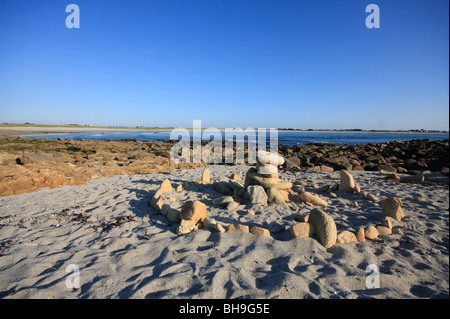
{"type": "Point", "coordinates": [28, 164]}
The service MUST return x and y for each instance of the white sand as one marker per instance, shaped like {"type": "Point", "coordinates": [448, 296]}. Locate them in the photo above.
{"type": "Point", "coordinates": [144, 258]}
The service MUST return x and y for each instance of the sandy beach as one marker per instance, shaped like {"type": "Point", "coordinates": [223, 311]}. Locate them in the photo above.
{"type": "Point", "coordinates": [124, 248]}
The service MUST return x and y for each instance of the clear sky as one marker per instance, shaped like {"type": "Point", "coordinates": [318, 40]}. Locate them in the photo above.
{"type": "Point", "coordinates": [230, 63]}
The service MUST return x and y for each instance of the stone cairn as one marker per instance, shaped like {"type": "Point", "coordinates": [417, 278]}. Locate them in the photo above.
{"type": "Point", "coordinates": [263, 186]}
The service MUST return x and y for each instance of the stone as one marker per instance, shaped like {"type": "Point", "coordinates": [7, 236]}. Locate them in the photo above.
{"type": "Point", "coordinates": [205, 176]}
{"type": "Point", "coordinates": [324, 227]}
{"type": "Point", "coordinates": [232, 205]}
{"type": "Point", "coordinates": [209, 222]}
{"type": "Point", "coordinates": [267, 170]}
{"type": "Point", "coordinates": [371, 197]}
{"type": "Point", "coordinates": [235, 185]}
{"type": "Point", "coordinates": [387, 222]}
{"type": "Point", "coordinates": [274, 196]}
{"type": "Point", "coordinates": [172, 199]}
{"type": "Point", "coordinates": [164, 209]}
{"type": "Point", "coordinates": [179, 188]}
{"type": "Point", "coordinates": [242, 228]}
{"type": "Point", "coordinates": [256, 194]}
{"type": "Point", "coordinates": [222, 187]}
{"type": "Point", "coordinates": [186, 226]}
{"type": "Point", "coordinates": [285, 194]}
{"type": "Point", "coordinates": [360, 236]}
{"type": "Point", "coordinates": [165, 187]}
{"type": "Point", "coordinates": [219, 228]}
{"type": "Point", "coordinates": [302, 230]}
{"type": "Point", "coordinates": [276, 228]}
{"type": "Point", "coordinates": [345, 237]}
{"type": "Point", "coordinates": [193, 210]}
{"type": "Point", "coordinates": [251, 171]}
{"type": "Point", "coordinates": [392, 207]}
{"type": "Point", "coordinates": [313, 199]}
{"type": "Point", "coordinates": [235, 177]}
{"type": "Point", "coordinates": [382, 230]}
{"type": "Point", "coordinates": [173, 215]}
{"type": "Point", "coordinates": [265, 157]}
{"type": "Point", "coordinates": [302, 217]}
{"type": "Point", "coordinates": [231, 228]}
{"type": "Point", "coordinates": [370, 232]}
{"type": "Point", "coordinates": [346, 182]}
{"type": "Point", "coordinates": [259, 231]}
{"type": "Point", "coordinates": [223, 201]}
{"type": "Point", "coordinates": [250, 212]}
{"type": "Point", "coordinates": [292, 162]}
{"type": "Point", "coordinates": [266, 182]}
{"type": "Point", "coordinates": [285, 185]}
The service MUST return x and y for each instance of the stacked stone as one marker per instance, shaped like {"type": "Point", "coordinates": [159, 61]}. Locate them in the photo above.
{"type": "Point", "coordinates": [264, 179]}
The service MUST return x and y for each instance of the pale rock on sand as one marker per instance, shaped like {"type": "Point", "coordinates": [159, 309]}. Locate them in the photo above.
{"type": "Point", "coordinates": [345, 237]}
{"type": "Point", "coordinates": [346, 183]}
{"type": "Point", "coordinates": [205, 176]}
{"type": "Point", "coordinates": [257, 194]}
{"type": "Point", "coordinates": [324, 227]}
{"type": "Point", "coordinates": [302, 230]}
{"type": "Point", "coordinates": [392, 207]}
{"type": "Point", "coordinates": [312, 199]}
{"type": "Point", "coordinates": [370, 232]}
{"type": "Point", "coordinates": [193, 210]}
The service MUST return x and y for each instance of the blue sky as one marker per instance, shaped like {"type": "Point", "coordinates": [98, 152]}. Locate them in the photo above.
{"type": "Point", "coordinates": [302, 64]}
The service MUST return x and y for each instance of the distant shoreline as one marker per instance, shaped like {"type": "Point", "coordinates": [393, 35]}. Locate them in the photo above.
{"type": "Point", "coordinates": [17, 129]}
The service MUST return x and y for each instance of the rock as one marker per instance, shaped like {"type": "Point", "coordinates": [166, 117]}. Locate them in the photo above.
{"type": "Point", "coordinates": [209, 222]}
{"type": "Point", "coordinates": [173, 215]}
{"type": "Point", "coordinates": [284, 185]}
{"type": "Point", "coordinates": [179, 188]}
{"type": "Point", "coordinates": [320, 168]}
{"type": "Point", "coordinates": [223, 201]}
{"type": "Point", "coordinates": [219, 228]}
{"type": "Point", "coordinates": [274, 196]}
{"type": "Point", "coordinates": [345, 237]}
{"type": "Point", "coordinates": [292, 162]}
{"type": "Point", "coordinates": [186, 226]}
{"type": "Point", "coordinates": [222, 187]}
{"type": "Point", "coordinates": [302, 217]}
{"type": "Point", "coordinates": [313, 199]}
{"type": "Point", "coordinates": [164, 209]}
{"type": "Point", "coordinates": [165, 187]}
{"type": "Point", "coordinates": [371, 197]}
{"type": "Point", "coordinates": [324, 227]}
{"type": "Point", "coordinates": [236, 185]}
{"type": "Point", "coordinates": [193, 210]}
{"type": "Point", "coordinates": [392, 207]}
{"type": "Point", "coordinates": [259, 231]}
{"type": "Point", "coordinates": [267, 170]}
{"type": "Point", "coordinates": [276, 228]}
{"type": "Point", "coordinates": [256, 194]}
{"type": "Point", "coordinates": [235, 177]}
{"type": "Point", "coordinates": [232, 205]}
{"type": "Point", "coordinates": [387, 222]}
{"type": "Point", "coordinates": [302, 230]}
{"type": "Point", "coordinates": [346, 182]}
{"type": "Point", "coordinates": [242, 228]}
{"type": "Point", "coordinates": [251, 171]}
{"type": "Point", "coordinates": [266, 182]}
{"type": "Point", "coordinates": [384, 230]}
{"type": "Point", "coordinates": [285, 194]}
{"type": "Point", "coordinates": [250, 212]}
{"type": "Point", "coordinates": [205, 176]}
{"type": "Point", "coordinates": [264, 157]}
{"type": "Point", "coordinates": [231, 228]}
{"type": "Point", "coordinates": [370, 232]}
{"type": "Point", "coordinates": [360, 236]}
